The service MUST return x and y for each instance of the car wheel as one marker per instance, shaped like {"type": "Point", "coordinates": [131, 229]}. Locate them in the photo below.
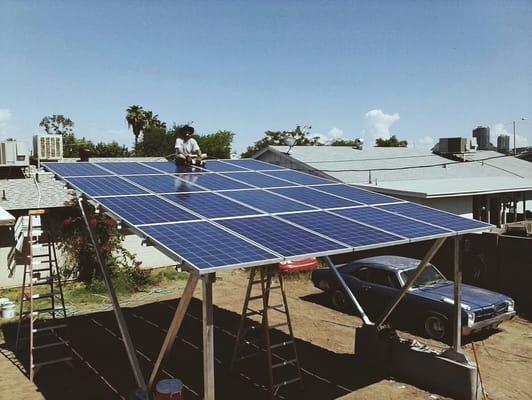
{"type": "Point", "coordinates": [436, 327]}
{"type": "Point", "coordinates": [339, 300]}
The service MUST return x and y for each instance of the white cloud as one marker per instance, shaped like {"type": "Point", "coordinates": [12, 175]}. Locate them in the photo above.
{"type": "Point", "coordinates": [378, 124]}
{"type": "Point", "coordinates": [5, 117]}
{"type": "Point", "coordinates": [499, 129]}
{"type": "Point", "coordinates": [332, 135]}
{"type": "Point", "coordinates": [425, 143]}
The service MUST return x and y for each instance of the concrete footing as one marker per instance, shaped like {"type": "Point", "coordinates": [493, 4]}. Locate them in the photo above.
{"type": "Point", "coordinates": [415, 364]}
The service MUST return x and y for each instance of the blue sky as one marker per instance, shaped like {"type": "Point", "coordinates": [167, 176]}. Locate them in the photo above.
{"type": "Point", "coordinates": [417, 69]}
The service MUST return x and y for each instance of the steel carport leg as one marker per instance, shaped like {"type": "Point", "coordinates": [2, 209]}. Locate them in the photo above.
{"type": "Point", "coordinates": [174, 326]}
{"type": "Point", "coordinates": [352, 297]}
{"type": "Point", "coordinates": [208, 338]}
{"type": "Point", "coordinates": [457, 326]}
{"type": "Point", "coordinates": [420, 268]}
{"type": "Point", "coordinates": [130, 349]}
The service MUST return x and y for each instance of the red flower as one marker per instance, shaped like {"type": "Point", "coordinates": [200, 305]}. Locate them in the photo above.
{"type": "Point", "coordinates": [93, 221]}
{"type": "Point", "coordinates": [110, 222]}
{"type": "Point", "coordinates": [67, 221]}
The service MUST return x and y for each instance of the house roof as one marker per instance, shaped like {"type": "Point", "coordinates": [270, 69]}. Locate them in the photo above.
{"type": "Point", "coordinates": [28, 193]}
{"type": "Point", "coordinates": [409, 171]}
{"type": "Point", "coordinates": [6, 219]}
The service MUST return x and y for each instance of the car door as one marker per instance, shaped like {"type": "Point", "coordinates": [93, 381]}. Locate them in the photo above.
{"type": "Point", "coordinates": [379, 286]}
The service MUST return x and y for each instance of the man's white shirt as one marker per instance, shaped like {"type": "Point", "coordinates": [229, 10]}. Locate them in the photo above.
{"type": "Point", "coordinates": [188, 148]}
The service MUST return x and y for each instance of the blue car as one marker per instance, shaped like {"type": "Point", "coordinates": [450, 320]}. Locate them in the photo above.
{"type": "Point", "coordinates": [429, 303]}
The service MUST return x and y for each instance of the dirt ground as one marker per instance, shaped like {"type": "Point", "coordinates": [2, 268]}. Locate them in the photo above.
{"type": "Point", "coordinates": [325, 342]}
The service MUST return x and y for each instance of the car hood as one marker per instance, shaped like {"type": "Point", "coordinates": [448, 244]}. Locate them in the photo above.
{"type": "Point", "coordinates": [473, 296]}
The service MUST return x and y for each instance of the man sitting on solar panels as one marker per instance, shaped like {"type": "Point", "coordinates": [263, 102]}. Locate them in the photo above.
{"type": "Point", "coordinates": [188, 152]}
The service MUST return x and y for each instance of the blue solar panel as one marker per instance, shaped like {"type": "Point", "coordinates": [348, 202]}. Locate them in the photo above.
{"type": "Point", "coordinates": [314, 198]}
{"type": "Point", "coordinates": [338, 228]}
{"type": "Point", "coordinates": [391, 222]}
{"type": "Point", "coordinates": [281, 237]}
{"type": "Point", "coordinates": [212, 181]}
{"type": "Point", "coordinates": [266, 201]}
{"type": "Point", "coordinates": [435, 217]}
{"type": "Point", "coordinates": [105, 186]}
{"type": "Point", "coordinates": [207, 246]}
{"type": "Point", "coordinates": [298, 177]}
{"type": "Point", "coordinates": [220, 166]}
{"type": "Point", "coordinates": [259, 180]}
{"type": "Point", "coordinates": [356, 194]}
{"type": "Point", "coordinates": [170, 167]}
{"type": "Point", "coordinates": [145, 209]}
{"type": "Point", "coordinates": [211, 205]}
{"type": "Point", "coordinates": [255, 165]}
{"type": "Point", "coordinates": [127, 168]}
{"type": "Point", "coordinates": [166, 183]}
{"type": "Point", "coordinates": [75, 169]}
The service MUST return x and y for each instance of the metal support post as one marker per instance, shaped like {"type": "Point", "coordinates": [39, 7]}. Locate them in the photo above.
{"type": "Point", "coordinates": [173, 330]}
{"type": "Point", "coordinates": [130, 349]}
{"type": "Point", "coordinates": [457, 326]}
{"type": "Point", "coordinates": [208, 338]}
{"type": "Point", "coordinates": [420, 268]}
{"type": "Point", "coordinates": [352, 297]}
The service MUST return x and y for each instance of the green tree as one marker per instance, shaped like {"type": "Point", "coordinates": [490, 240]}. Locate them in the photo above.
{"type": "Point", "coordinates": [391, 142]}
{"type": "Point", "coordinates": [112, 149]}
{"type": "Point", "coordinates": [301, 136]}
{"type": "Point", "coordinates": [136, 120]}
{"type": "Point", "coordinates": [344, 142]}
{"type": "Point", "coordinates": [216, 145]}
{"type": "Point", "coordinates": [57, 124]}
{"type": "Point", "coordinates": [156, 141]}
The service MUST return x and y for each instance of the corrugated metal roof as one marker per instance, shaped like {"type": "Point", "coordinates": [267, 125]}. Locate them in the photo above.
{"type": "Point", "coordinates": [421, 173]}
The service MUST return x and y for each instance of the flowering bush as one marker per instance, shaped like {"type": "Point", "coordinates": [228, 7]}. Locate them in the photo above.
{"type": "Point", "coordinates": [80, 257]}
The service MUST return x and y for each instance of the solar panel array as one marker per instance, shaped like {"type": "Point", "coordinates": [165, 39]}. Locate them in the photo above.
{"type": "Point", "coordinates": [241, 213]}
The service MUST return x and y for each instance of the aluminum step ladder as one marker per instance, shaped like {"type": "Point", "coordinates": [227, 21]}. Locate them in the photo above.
{"type": "Point", "coordinates": [42, 317]}
{"type": "Point", "coordinates": [255, 339]}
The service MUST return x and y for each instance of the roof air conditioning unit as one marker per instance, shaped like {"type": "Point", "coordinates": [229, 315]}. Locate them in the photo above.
{"type": "Point", "coordinates": [48, 147]}
{"type": "Point", "coordinates": [14, 153]}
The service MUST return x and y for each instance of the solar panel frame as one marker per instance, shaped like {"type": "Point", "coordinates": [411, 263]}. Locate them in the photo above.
{"type": "Point", "coordinates": [261, 234]}
{"type": "Point", "coordinates": [246, 163]}
{"type": "Point", "coordinates": [166, 183]}
{"type": "Point", "coordinates": [263, 201]}
{"type": "Point", "coordinates": [77, 182]}
{"type": "Point", "coordinates": [357, 194]}
{"type": "Point", "coordinates": [315, 198]}
{"type": "Point", "coordinates": [425, 212]}
{"type": "Point", "coordinates": [298, 177]}
{"type": "Point", "coordinates": [220, 166]}
{"type": "Point", "coordinates": [84, 169]}
{"type": "Point", "coordinates": [258, 180]}
{"type": "Point", "coordinates": [127, 168]}
{"type": "Point", "coordinates": [347, 232]}
{"type": "Point", "coordinates": [393, 223]}
{"type": "Point", "coordinates": [272, 257]}
{"type": "Point", "coordinates": [151, 214]}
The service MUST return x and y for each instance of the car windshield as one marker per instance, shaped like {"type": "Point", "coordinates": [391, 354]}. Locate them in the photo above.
{"type": "Point", "coordinates": [429, 276]}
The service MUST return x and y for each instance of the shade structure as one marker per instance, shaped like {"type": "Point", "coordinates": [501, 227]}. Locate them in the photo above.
{"type": "Point", "coordinates": [243, 213]}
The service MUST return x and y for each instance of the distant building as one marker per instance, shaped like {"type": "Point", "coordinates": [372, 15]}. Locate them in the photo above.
{"type": "Point", "coordinates": [503, 144]}
{"type": "Point", "coordinates": [482, 133]}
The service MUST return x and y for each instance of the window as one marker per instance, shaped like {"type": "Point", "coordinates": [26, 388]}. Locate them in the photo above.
{"type": "Point", "coordinates": [382, 277]}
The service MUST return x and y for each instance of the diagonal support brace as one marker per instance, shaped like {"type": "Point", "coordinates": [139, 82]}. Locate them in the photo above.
{"type": "Point", "coordinates": [173, 330]}
{"type": "Point", "coordinates": [420, 268]}
{"type": "Point", "coordinates": [130, 349]}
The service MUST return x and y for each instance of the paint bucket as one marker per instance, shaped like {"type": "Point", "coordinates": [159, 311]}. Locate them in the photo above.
{"type": "Point", "coordinates": [169, 389]}
{"type": "Point", "coordinates": [8, 310]}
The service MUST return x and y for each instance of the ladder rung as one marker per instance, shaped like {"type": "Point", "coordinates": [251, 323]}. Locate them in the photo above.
{"type": "Point", "coordinates": [252, 341]}
{"type": "Point", "coordinates": [288, 382]}
{"type": "Point", "coordinates": [47, 345]}
{"type": "Point", "coordinates": [276, 308]}
{"type": "Point", "coordinates": [255, 297]}
{"type": "Point", "coordinates": [43, 281]}
{"type": "Point", "coordinates": [253, 312]}
{"type": "Point", "coordinates": [40, 255]}
{"type": "Point", "coordinates": [256, 282]}
{"type": "Point", "coordinates": [245, 357]}
{"type": "Point", "coordinates": [49, 328]}
{"type": "Point", "coordinates": [282, 344]}
{"type": "Point", "coordinates": [58, 360]}
{"type": "Point", "coordinates": [38, 270]}
{"type": "Point", "coordinates": [284, 363]}
{"type": "Point", "coordinates": [39, 296]}
{"type": "Point", "coordinates": [275, 287]}
{"type": "Point", "coordinates": [49, 310]}
{"type": "Point", "coordinates": [278, 325]}
{"type": "Point", "coordinates": [41, 262]}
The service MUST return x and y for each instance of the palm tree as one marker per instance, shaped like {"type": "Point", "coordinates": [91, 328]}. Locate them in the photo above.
{"type": "Point", "coordinates": [136, 120]}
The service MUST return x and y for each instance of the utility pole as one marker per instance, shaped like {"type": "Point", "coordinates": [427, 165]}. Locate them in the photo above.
{"type": "Point", "coordinates": [515, 151]}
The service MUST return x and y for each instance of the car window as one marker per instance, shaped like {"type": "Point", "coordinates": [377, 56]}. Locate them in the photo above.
{"type": "Point", "coordinates": [361, 273]}
{"type": "Point", "coordinates": [382, 277]}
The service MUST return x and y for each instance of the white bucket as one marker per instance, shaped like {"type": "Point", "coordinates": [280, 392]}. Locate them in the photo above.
{"type": "Point", "coordinates": [8, 310]}
{"type": "Point", "coordinates": [3, 300]}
